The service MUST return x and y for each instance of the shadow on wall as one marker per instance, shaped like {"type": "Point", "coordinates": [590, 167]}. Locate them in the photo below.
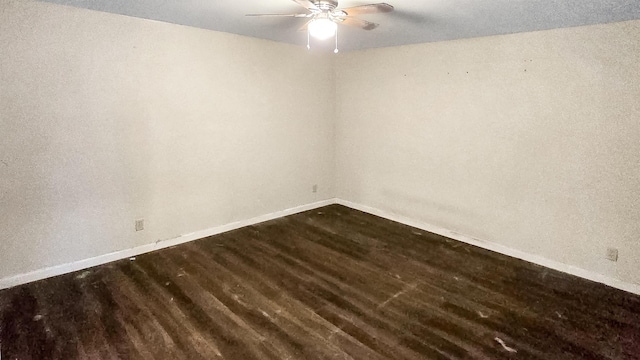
{"type": "Point", "coordinates": [433, 212]}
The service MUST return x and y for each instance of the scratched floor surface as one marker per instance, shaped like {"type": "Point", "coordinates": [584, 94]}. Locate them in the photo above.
{"type": "Point", "coordinates": [332, 283]}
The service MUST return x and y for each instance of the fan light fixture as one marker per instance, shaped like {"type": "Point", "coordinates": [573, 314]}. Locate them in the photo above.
{"type": "Point", "coordinates": [323, 28]}
{"type": "Point", "coordinates": [324, 16]}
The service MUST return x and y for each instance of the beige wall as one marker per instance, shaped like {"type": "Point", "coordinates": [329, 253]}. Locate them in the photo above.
{"type": "Point", "coordinates": [105, 119]}
{"type": "Point", "coordinates": [529, 140]}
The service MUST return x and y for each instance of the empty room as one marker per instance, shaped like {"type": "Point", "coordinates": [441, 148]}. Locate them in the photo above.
{"type": "Point", "coordinates": [278, 179]}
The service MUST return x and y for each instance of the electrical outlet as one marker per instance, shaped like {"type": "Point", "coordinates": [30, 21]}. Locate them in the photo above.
{"type": "Point", "coordinates": [139, 224]}
{"type": "Point", "coordinates": [314, 188]}
{"type": "Point", "coordinates": [612, 254]}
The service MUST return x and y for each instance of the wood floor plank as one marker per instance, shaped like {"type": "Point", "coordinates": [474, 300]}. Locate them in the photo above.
{"type": "Point", "coordinates": [330, 283]}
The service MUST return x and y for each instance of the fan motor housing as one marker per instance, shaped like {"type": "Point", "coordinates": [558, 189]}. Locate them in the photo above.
{"type": "Point", "coordinates": [327, 5]}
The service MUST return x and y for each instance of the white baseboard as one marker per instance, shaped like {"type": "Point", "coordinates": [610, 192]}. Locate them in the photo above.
{"type": "Point", "coordinates": [40, 274]}
{"type": "Point", "coordinates": [569, 269]}
{"type": "Point", "coordinates": [118, 255]}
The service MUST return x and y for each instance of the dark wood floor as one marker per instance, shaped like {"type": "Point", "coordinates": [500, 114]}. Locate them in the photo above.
{"type": "Point", "coordinates": [332, 283]}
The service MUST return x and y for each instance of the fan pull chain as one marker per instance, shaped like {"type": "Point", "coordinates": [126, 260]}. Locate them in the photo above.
{"type": "Point", "coordinates": [336, 50]}
{"type": "Point", "coordinates": [308, 39]}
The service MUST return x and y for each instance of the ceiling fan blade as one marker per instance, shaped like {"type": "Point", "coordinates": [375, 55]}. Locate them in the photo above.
{"type": "Point", "coordinates": [363, 24]}
{"type": "Point", "coordinates": [368, 9]}
{"type": "Point", "coordinates": [306, 4]}
{"type": "Point", "coordinates": [305, 27]}
{"type": "Point", "coordinates": [281, 15]}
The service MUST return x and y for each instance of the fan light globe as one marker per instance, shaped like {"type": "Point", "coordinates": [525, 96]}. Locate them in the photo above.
{"type": "Point", "coordinates": [322, 28]}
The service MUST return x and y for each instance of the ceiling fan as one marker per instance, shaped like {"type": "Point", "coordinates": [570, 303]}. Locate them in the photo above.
{"type": "Point", "coordinates": [324, 17]}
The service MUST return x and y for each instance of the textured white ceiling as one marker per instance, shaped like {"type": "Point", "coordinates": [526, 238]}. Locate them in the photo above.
{"type": "Point", "coordinates": [412, 22]}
